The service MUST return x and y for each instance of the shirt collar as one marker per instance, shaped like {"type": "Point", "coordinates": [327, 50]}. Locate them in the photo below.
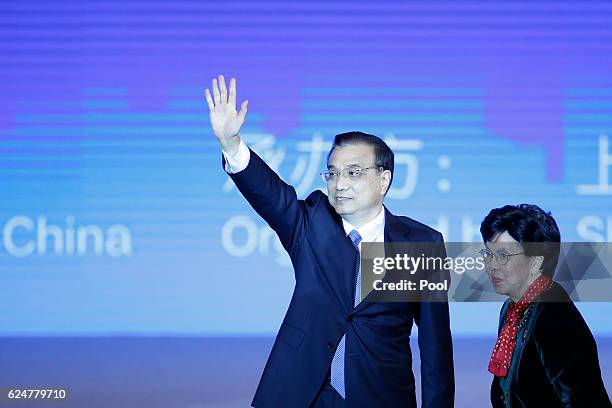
{"type": "Point", "coordinates": [371, 231]}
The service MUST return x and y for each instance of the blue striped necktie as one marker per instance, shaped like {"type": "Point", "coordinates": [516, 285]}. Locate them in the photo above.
{"type": "Point", "coordinates": [337, 366]}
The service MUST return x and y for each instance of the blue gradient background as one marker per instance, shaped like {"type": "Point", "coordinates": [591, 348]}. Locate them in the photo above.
{"type": "Point", "coordinates": [103, 118]}
{"type": "Point", "coordinates": [103, 123]}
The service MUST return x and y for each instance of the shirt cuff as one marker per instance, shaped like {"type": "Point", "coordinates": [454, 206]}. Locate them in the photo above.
{"type": "Point", "coordinates": [239, 161]}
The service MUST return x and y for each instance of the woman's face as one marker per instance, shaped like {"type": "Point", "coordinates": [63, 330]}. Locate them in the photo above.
{"type": "Point", "coordinates": [513, 278]}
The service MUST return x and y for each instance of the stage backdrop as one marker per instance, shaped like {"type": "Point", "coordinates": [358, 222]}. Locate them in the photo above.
{"type": "Point", "coordinates": [117, 218]}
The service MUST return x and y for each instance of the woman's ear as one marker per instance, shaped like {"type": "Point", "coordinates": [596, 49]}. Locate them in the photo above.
{"type": "Point", "coordinates": [536, 264]}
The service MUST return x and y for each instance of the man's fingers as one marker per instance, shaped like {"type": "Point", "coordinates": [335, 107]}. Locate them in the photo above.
{"type": "Point", "coordinates": [223, 89]}
{"type": "Point", "coordinates": [216, 92]}
{"type": "Point", "coordinates": [232, 92]}
{"type": "Point", "coordinates": [243, 112]}
{"type": "Point", "coordinates": [209, 100]}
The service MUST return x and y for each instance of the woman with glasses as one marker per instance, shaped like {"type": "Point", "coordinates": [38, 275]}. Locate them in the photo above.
{"type": "Point", "coordinates": [545, 354]}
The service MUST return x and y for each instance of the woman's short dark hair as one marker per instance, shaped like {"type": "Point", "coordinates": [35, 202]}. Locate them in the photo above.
{"type": "Point", "coordinates": [535, 229]}
{"type": "Point", "coordinates": [383, 155]}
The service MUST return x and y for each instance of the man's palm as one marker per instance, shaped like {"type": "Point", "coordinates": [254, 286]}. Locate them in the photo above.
{"type": "Point", "coordinates": [225, 120]}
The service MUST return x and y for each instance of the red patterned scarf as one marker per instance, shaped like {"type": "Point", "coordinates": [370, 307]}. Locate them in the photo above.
{"type": "Point", "coordinates": [504, 347]}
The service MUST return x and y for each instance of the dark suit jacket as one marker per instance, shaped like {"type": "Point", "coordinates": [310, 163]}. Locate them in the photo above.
{"type": "Point", "coordinates": [555, 362]}
{"type": "Point", "coordinates": [378, 364]}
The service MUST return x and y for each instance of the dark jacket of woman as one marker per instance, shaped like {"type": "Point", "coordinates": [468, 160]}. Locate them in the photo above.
{"type": "Point", "coordinates": [555, 361]}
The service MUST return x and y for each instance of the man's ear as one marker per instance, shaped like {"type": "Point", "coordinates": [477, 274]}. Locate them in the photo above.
{"type": "Point", "coordinates": [386, 181]}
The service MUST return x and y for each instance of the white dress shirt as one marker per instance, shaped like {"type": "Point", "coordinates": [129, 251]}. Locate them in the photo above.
{"type": "Point", "coordinates": [371, 231]}
{"type": "Point", "coordinates": [238, 161]}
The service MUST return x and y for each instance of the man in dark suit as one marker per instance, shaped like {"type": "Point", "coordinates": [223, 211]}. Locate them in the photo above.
{"type": "Point", "coordinates": [333, 349]}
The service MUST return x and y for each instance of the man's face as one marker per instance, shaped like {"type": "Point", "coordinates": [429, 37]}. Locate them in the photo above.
{"type": "Point", "coordinates": [357, 200]}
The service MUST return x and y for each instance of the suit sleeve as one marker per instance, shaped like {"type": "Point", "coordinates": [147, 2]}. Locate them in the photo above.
{"type": "Point", "coordinates": [569, 355]}
{"type": "Point", "coordinates": [273, 199]}
{"type": "Point", "coordinates": [435, 343]}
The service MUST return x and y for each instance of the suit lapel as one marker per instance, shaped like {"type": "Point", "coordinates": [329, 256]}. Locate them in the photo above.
{"type": "Point", "coordinates": [341, 248]}
{"type": "Point", "coordinates": [395, 231]}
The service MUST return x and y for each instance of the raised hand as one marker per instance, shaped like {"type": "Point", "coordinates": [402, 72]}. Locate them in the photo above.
{"type": "Point", "coordinates": [225, 120]}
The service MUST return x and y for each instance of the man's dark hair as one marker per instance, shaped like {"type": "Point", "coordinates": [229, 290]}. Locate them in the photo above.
{"type": "Point", "coordinates": [535, 229]}
{"type": "Point", "coordinates": [383, 156]}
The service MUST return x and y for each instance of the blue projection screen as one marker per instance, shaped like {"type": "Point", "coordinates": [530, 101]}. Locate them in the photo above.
{"type": "Point", "coordinates": [117, 217]}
